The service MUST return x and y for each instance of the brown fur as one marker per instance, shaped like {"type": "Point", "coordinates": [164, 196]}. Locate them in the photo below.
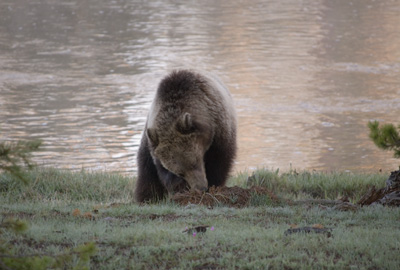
{"type": "Point", "coordinates": [190, 136]}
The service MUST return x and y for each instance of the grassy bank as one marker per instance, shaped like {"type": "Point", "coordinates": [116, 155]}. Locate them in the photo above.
{"type": "Point", "coordinates": [65, 209]}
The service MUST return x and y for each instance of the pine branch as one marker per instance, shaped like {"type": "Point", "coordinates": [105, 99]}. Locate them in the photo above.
{"type": "Point", "coordinates": [49, 261]}
{"type": "Point", "coordinates": [3, 266]}
{"type": "Point", "coordinates": [385, 137]}
{"type": "Point", "coordinates": [87, 249]}
{"type": "Point", "coordinates": [14, 225]}
{"type": "Point", "coordinates": [13, 156]}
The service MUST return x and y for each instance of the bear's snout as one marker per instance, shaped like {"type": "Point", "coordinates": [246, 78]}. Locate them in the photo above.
{"type": "Point", "coordinates": [197, 179]}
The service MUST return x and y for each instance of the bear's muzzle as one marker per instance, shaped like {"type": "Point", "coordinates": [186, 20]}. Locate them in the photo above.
{"type": "Point", "coordinates": [197, 179]}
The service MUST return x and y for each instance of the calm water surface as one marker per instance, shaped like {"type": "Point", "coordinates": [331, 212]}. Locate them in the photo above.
{"type": "Point", "coordinates": [306, 76]}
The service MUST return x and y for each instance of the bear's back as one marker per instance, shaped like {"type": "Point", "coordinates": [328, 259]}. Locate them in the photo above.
{"type": "Point", "coordinates": [201, 94]}
{"type": "Point", "coordinates": [179, 85]}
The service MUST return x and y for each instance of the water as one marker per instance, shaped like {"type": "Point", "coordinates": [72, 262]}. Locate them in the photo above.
{"type": "Point", "coordinates": [306, 76]}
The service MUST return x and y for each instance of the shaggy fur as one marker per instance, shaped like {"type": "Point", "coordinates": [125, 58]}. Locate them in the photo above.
{"type": "Point", "coordinates": [189, 139]}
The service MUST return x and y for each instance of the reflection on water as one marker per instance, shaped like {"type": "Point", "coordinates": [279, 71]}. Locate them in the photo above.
{"type": "Point", "coordinates": [306, 76]}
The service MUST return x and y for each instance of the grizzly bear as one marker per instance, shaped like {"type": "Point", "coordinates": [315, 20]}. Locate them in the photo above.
{"type": "Point", "coordinates": [189, 141]}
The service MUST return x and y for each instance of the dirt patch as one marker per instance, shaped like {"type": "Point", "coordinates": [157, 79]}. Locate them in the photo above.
{"type": "Point", "coordinates": [229, 196]}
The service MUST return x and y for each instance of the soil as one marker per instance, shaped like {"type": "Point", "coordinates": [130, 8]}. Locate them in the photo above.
{"type": "Point", "coordinates": [228, 196]}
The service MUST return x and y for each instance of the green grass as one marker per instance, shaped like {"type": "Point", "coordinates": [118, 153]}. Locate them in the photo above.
{"type": "Point", "coordinates": [321, 185]}
{"type": "Point", "coordinates": [130, 236]}
{"type": "Point", "coordinates": [53, 185]}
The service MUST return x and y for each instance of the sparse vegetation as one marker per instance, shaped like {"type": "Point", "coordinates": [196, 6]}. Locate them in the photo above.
{"type": "Point", "coordinates": [68, 209]}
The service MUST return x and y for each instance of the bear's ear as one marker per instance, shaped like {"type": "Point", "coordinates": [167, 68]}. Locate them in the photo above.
{"type": "Point", "coordinates": [152, 135]}
{"type": "Point", "coordinates": [185, 124]}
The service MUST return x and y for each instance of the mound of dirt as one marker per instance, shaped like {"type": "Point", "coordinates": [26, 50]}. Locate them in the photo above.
{"type": "Point", "coordinates": [229, 196]}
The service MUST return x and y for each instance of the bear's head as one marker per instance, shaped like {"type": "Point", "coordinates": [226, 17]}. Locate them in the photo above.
{"type": "Point", "coordinates": [180, 148]}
